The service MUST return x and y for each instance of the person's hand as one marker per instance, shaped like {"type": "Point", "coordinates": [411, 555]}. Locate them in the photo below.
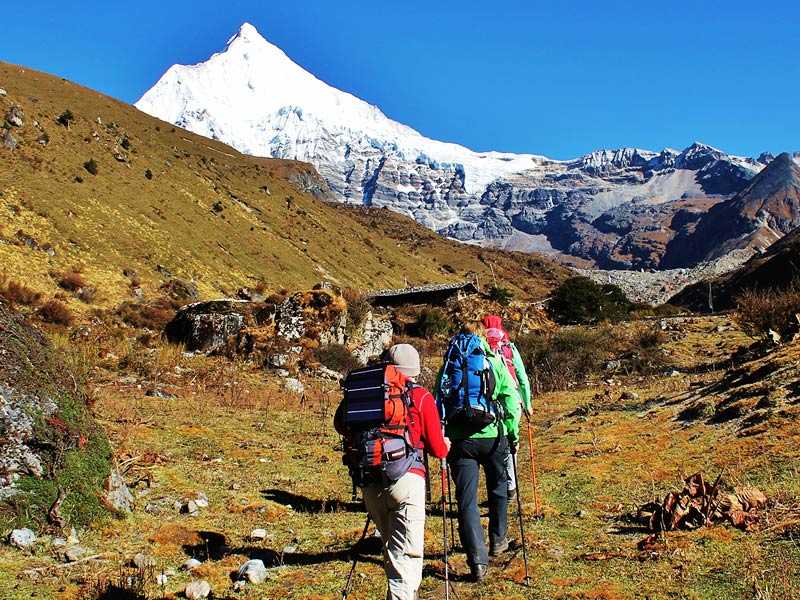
{"type": "Point", "coordinates": [447, 443]}
{"type": "Point", "coordinates": [512, 445]}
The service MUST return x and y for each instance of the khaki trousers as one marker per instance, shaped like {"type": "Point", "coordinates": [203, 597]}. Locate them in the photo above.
{"type": "Point", "coordinates": [399, 514]}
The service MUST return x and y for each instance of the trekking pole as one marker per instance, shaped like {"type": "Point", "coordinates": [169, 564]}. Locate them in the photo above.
{"type": "Point", "coordinates": [349, 584]}
{"type": "Point", "coordinates": [521, 520]}
{"type": "Point", "coordinates": [537, 507]}
{"type": "Point", "coordinates": [443, 470]}
{"type": "Point", "coordinates": [451, 510]}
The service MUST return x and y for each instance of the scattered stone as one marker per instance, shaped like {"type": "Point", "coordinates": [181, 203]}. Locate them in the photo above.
{"type": "Point", "coordinates": [774, 337]}
{"type": "Point", "coordinates": [674, 373]}
{"type": "Point", "coordinates": [15, 117]}
{"type": "Point", "coordinates": [202, 500]}
{"type": "Point", "coordinates": [162, 579]}
{"type": "Point", "coordinates": [74, 553]}
{"type": "Point", "coordinates": [190, 508]}
{"type": "Point", "coordinates": [3, 93]}
{"type": "Point", "coordinates": [117, 494]}
{"type": "Point", "coordinates": [323, 372]}
{"type": "Point", "coordinates": [289, 549]}
{"type": "Point", "coordinates": [581, 514]}
{"type": "Point", "coordinates": [258, 534]}
{"type": "Point", "coordinates": [253, 571]}
{"type": "Point", "coordinates": [143, 561]}
{"type": "Point", "coordinates": [157, 393]}
{"type": "Point", "coordinates": [294, 386]}
{"type": "Point", "coordinates": [628, 395]}
{"type": "Point", "coordinates": [191, 564]}
{"type": "Point", "coordinates": [24, 539]}
{"type": "Point", "coordinates": [235, 487]}
{"type": "Point", "coordinates": [58, 542]}
{"type": "Point", "coordinates": [9, 141]}
{"type": "Point", "coordinates": [197, 590]}
{"type": "Point", "coordinates": [613, 365]}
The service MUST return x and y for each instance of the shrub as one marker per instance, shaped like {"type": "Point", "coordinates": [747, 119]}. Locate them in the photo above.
{"type": "Point", "coordinates": [65, 118]}
{"type": "Point", "coordinates": [336, 357]}
{"type": "Point", "coordinates": [759, 311]}
{"type": "Point", "coordinates": [153, 315]}
{"type": "Point", "coordinates": [87, 294]}
{"type": "Point", "coordinates": [430, 323]}
{"type": "Point", "coordinates": [91, 166]}
{"type": "Point", "coordinates": [148, 174]}
{"type": "Point", "coordinates": [56, 312]}
{"type": "Point", "coordinates": [72, 281]}
{"type": "Point", "coordinates": [357, 306]}
{"type": "Point", "coordinates": [500, 295]}
{"type": "Point", "coordinates": [14, 292]}
{"type": "Point", "coordinates": [179, 290]}
{"type": "Point", "coordinates": [573, 356]}
{"type": "Point", "coordinates": [579, 300]}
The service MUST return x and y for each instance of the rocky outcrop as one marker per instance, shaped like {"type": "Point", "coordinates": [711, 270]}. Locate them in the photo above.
{"type": "Point", "coordinates": [209, 326]}
{"type": "Point", "coordinates": [50, 447]}
{"type": "Point", "coordinates": [372, 337]}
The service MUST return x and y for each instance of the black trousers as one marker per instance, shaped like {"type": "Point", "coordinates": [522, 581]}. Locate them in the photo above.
{"type": "Point", "coordinates": [465, 459]}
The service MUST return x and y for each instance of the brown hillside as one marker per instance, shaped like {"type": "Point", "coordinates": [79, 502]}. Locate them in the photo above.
{"type": "Point", "coordinates": [166, 202]}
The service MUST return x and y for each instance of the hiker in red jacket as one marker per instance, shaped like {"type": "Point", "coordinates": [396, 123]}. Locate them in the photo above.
{"type": "Point", "coordinates": [398, 509]}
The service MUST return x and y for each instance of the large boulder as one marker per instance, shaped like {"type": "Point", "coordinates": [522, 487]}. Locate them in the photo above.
{"type": "Point", "coordinates": [50, 447]}
{"type": "Point", "coordinates": [372, 337]}
{"type": "Point", "coordinates": [209, 326]}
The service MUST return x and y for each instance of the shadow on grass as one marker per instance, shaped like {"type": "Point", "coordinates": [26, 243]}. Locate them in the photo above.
{"type": "Point", "coordinates": [212, 547]}
{"type": "Point", "coordinates": [303, 504]}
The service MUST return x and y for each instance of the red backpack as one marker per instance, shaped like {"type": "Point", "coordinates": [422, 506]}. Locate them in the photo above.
{"type": "Point", "coordinates": [379, 432]}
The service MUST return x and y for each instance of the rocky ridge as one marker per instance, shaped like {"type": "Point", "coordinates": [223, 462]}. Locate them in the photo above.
{"type": "Point", "coordinates": [267, 105]}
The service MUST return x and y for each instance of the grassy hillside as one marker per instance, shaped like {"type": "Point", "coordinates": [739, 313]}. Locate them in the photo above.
{"type": "Point", "coordinates": [164, 201]}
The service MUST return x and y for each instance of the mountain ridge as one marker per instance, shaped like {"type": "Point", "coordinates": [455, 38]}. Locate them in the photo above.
{"type": "Point", "coordinates": [253, 97]}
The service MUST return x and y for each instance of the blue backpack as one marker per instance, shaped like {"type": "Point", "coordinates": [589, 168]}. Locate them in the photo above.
{"type": "Point", "coordinates": [466, 388]}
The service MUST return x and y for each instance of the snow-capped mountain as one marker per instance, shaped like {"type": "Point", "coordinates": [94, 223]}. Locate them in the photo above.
{"type": "Point", "coordinates": [253, 97]}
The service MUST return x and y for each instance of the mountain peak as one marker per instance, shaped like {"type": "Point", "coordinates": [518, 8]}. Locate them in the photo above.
{"type": "Point", "coordinates": [247, 33]}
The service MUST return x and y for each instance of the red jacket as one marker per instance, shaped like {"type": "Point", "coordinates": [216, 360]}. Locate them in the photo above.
{"type": "Point", "coordinates": [426, 425]}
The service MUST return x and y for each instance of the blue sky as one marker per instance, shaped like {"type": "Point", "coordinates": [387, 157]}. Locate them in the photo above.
{"type": "Point", "coordinates": [554, 78]}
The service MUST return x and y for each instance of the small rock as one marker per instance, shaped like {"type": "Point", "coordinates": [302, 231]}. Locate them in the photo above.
{"type": "Point", "coordinates": [9, 142]}
{"type": "Point", "coordinates": [24, 539]}
{"type": "Point", "coordinates": [581, 514]}
{"type": "Point", "coordinates": [253, 571]}
{"type": "Point", "coordinates": [674, 373]}
{"type": "Point", "coordinates": [258, 534]}
{"type": "Point", "coordinates": [3, 93]}
{"type": "Point", "coordinates": [201, 500]}
{"type": "Point", "coordinates": [74, 553]}
{"type": "Point", "coordinates": [197, 590]}
{"type": "Point", "coordinates": [289, 549]}
{"type": "Point", "coordinates": [628, 395]}
{"type": "Point", "coordinates": [15, 116]}
{"type": "Point", "coordinates": [143, 561]}
{"type": "Point", "coordinates": [117, 495]}
{"type": "Point", "coordinates": [157, 393]}
{"type": "Point", "coordinates": [190, 508]}
{"type": "Point", "coordinates": [162, 579]}
{"type": "Point", "coordinates": [191, 564]}
{"type": "Point", "coordinates": [235, 487]}
{"type": "Point", "coordinates": [58, 542]}
{"type": "Point", "coordinates": [294, 386]}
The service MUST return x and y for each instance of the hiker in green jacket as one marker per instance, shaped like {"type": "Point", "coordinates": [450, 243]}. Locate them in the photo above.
{"type": "Point", "coordinates": [502, 345]}
{"type": "Point", "coordinates": [476, 445]}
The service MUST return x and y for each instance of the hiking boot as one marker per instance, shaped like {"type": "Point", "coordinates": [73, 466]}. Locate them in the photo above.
{"type": "Point", "coordinates": [512, 495]}
{"type": "Point", "coordinates": [498, 548]}
{"type": "Point", "coordinates": [479, 572]}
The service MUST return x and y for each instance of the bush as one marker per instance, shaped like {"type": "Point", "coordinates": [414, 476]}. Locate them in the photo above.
{"type": "Point", "coordinates": [357, 306]}
{"type": "Point", "coordinates": [430, 323]}
{"type": "Point", "coordinates": [72, 281]}
{"type": "Point", "coordinates": [148, 174]}
{"type": "Point", "coordinates": [337, 357]}
{"type": "Point", "coordinates": [573, 356]}
{"type": "Point", "coordinates": [56, 313]}
{"type": "Point", "coordinates": [153, 315]}
{"type": "Point", "coordinates": [65, 118]}
{"type": "Point", "coordinates": [91, 166]}
{"type": "Point", "coordinates": [87, 294]}
{"type": "Point", "coordinates": [580, 301]}
{"type": "Point", "coordinates": [500, 295]}
{"type": "Point", "coordinates": [759, 311]}
{"type": "Point", "coordinates": [14, 292]}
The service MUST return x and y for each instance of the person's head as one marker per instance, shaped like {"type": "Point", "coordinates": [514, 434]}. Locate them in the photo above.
{"type": "Point", "coordinates": [406, 358]}
{"type": "Point", "coordinates": [495, 333]}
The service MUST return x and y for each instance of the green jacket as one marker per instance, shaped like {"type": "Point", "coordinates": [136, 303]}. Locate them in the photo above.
{"type": "Point", "coordinates": [524, 384]}
{"type": "Point", "coordinates": [506, 396]}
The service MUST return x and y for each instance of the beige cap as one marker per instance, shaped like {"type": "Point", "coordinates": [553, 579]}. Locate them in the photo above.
{"type": "Point", "coordinates": [406, 358]}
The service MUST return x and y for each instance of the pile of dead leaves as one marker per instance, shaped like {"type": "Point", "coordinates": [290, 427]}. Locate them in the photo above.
{"type": "Point", "coordinates": [701, 505]}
